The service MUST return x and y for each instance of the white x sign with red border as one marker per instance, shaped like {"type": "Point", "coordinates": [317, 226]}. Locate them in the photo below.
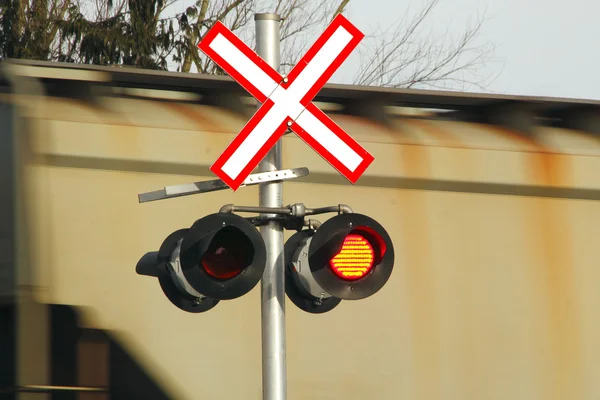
{"type": "Point", "coordinates": [286, 102]}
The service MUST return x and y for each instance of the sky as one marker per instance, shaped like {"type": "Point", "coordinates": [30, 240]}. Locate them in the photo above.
{"type": "Point", "coordinates": [542, 47]}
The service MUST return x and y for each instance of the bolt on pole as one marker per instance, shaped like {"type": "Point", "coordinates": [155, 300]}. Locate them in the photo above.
{"type": "Point", "coordinates": [272, 283]}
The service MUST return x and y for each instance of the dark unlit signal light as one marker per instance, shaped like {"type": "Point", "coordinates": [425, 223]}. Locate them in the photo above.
{"type": "Point", "coordinates": [221, 257]}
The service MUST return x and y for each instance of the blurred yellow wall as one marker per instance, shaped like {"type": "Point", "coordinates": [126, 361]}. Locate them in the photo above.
{"type": "Point", "coordinates": [492, 296]}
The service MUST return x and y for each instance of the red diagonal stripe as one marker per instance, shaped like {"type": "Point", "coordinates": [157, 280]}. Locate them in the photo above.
{"type": "Point", "coordinates": [220, 28]}
{"type": "Point", "coordinates": [338, 21]}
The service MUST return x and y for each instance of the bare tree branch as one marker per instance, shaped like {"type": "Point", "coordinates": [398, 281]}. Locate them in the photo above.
{"type": "Point", "coordinates": [407, 58]}
{"type": "Point", "coordinates": [138, 32]}
{"type": "Point", "coordinates": [341, 8]}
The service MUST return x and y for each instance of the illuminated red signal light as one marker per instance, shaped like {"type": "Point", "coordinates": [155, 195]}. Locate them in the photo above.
{"type": "Point", "coordinates": [350, 257]}
{"type": "Point", "coordinates": [355, 259]}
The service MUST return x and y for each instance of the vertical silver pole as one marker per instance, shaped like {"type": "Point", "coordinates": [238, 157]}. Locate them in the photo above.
{"type": "Point", "coordinates": [272, 284]}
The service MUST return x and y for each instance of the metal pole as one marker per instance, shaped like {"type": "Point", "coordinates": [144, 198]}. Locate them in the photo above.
{"type": "Point", "coordinates": [272, 284]}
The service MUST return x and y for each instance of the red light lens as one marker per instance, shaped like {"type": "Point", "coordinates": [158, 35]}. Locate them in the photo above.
{"type": "Point", "coordinates": [355, 259]}
{"type": "Point", "coordinates": [223, 263]}
{"type": "Point", "coordinates": [227, 255]}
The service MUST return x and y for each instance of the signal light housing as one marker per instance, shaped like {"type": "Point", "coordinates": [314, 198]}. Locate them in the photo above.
{"type": "Point", "coordinates": [328, 242]}
{"type": "Point", "coordinates": [349, 257]}
{"type": "Point", "coordinates": [161, 264]}
{"type": "Point", "coordinates": [300, 285]}
{"type": "Point", "coordinates": [215, 239]}
{"type": "Point", "coordinates": [221, 257]}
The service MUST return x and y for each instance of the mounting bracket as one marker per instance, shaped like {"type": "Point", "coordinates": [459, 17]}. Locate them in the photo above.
{"type": "Point", "coordinates": [214, 185]}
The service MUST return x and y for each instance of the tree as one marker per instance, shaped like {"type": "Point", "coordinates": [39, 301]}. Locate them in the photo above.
{"type": "Point", "coordinates": [29, 29]}
{"type": "Point", "coordinates": [407, 58]}
{"type": "Point", "coordinates": [146, 34]}
{"type": "Point", "coordinates": [98, 32]}
{"type": "Point", "coordinates": [128, 33]}
{"type": "Point", "coordinates": [298, 18]}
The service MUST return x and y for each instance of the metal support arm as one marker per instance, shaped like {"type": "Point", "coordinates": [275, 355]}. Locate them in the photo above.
{"type": "Point", "coordinates": [186, 189]}
{"type": "Point", "coordinates": [296, 210]}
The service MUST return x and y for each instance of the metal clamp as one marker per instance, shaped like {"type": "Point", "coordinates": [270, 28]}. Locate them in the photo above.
{"type": "Point", "coordinates": [292, 217]}
{"type": "Point", "coordinates": [295, 210]}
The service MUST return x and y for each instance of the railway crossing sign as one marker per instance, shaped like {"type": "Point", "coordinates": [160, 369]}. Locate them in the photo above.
{"type": "Point", "coordinates": [222, 256]}
{"type": "Point", "coordinates": [286, 102]}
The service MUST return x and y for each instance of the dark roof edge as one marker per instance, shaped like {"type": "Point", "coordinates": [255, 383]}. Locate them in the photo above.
{"type": "Point", "coordinates": [204, 83]}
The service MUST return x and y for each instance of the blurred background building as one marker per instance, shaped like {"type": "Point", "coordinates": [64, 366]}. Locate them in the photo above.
{"type": "Point", "coordinates": [491, 201]}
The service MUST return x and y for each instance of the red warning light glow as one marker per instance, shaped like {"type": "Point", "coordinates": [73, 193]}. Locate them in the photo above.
{"type": "Point", "coordinates": [223, 263]}
{"type": "Point", "coordinates": [355, 259]}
